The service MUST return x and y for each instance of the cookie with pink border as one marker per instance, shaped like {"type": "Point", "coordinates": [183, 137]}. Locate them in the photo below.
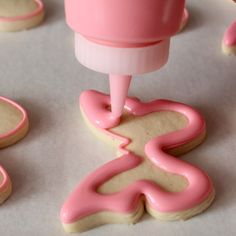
{"type": "Point", "coordinates": [16, 15]}
{"type": "Point", "coordinates": [14, 126]}
{"type": "Point", "coordinates": [146, 176]}
{"type": "Point", "coordinates": [229, 39]}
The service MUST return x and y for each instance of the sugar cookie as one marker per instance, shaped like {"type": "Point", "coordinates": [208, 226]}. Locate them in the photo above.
{"type": "Point", "coordinates": [146, 175]}
{"type": "Point", "coordinates": [229, 40]}
{"type": "Point", "coordinates": [13, 127]}
{"type": "Point", "coordinates": [16, 15]}
{"type": "Point", "coordinates": [14, 122]}
{"type": "Point", "coordinates": [5, 185]}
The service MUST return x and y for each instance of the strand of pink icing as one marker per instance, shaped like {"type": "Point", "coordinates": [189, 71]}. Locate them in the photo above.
{"type": "Point", "coordinates": [23, 121]}
{"type": "Point", "coordinates": [5, 179]}
{"type": "Point", "coordinates": [39, 9]}
{"type": "Point", "coordinates": [230, 35]}
{"type": "Point", "coordinates": [85, 200]}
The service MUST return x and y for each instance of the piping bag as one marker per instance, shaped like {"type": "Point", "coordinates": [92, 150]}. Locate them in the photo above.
{"type": "Point", "coordinates": [123, 38]}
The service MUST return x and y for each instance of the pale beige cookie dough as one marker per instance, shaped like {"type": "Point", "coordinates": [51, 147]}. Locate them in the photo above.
{"type": "Point", "coordinates": [140, 130]}
{"type": "Point", "coordinates": [16, 15]}
{"type": "Point", "coordinates": [228, 50]}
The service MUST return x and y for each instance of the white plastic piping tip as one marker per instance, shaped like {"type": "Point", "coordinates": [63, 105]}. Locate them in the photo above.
{"type": "Point", "coordinates": [119, 86]}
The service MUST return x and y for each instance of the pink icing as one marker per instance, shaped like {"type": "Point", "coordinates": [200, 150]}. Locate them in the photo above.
{"type": "Point", "coordinates": [230, 35]}
{"type": "Point", "coordinates": [37, 11]}
{"type": "Point", "coordinates": [85, 200]}
{"type": "Point", "coordinates": [23, 121]}
{"type": "Point", "coordinates": [125, 21]}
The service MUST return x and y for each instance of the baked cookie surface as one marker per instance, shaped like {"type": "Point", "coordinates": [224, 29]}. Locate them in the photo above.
{"type": "Point", "coordinates": [146, 175]}
{"type": "Point", "coordinates": [14, 126]}
{"type": "Point", "coordinates": [16, 15]}
{"type": "Point", "coordinates": [14, 122]}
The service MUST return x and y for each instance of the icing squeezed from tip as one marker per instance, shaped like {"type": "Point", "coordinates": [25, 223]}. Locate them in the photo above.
{"type": "Point", "coordinates": [85, 200]}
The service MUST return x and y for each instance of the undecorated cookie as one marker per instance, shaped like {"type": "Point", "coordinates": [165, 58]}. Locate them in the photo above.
{"type": "Point", "coordinates": [146, 176]}
{"type": "Point", "coordinates": [16, 15]}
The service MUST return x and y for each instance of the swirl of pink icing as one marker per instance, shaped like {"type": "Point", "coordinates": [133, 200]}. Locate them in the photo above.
{"type": "Point", "coordinates": [37, 11]}
{"type": "Point", "coordinates": [230, 35]}
{"type": "Point", "coordinates": [85, 200]}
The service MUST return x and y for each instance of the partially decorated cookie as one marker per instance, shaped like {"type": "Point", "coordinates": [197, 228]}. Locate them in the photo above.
{"type": "Point", "coordinates": [14, 125]}
{"type": "Point", "coordinates": [146, 176]}
{"type": "Point", "coordinates": [16, 15]}
{"type": "Point", "coordinates": [229, 40]}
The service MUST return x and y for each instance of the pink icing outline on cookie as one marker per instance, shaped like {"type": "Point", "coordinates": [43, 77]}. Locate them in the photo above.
{"type": "Point", "coordinates": [40, 8]}
{"type": "Point", "coordinates": [22, 122]}
{"type": "Point", "coordinates": [5, 181]}
{"type": "Point", "coordinates": [85, 200]}
{"type": "Point", "coordinates": [230, 35]}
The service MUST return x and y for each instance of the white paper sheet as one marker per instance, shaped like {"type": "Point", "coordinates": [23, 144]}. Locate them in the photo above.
{"type": "Point", "coordinates": [38, 69]}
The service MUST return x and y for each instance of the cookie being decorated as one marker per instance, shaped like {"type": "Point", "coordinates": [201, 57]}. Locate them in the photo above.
{"type": "Point", "coordinates": [16, 15]}
{"type": "Point", "coordinates": [146, 174]}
